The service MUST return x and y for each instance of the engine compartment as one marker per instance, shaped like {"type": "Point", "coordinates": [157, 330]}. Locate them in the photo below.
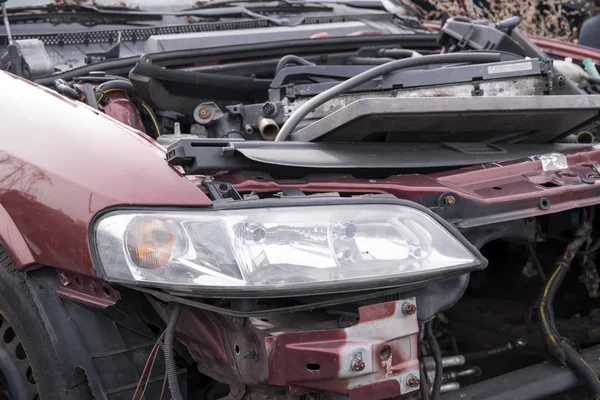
{"type": "Point", "coordinates": [498, 143]}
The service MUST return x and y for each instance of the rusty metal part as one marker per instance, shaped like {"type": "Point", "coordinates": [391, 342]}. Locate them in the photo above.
{"type": "Point", "coordinates": [87, 290]}
{"type": "Point", "coordinates": [357, 364]}
{"type": "Point", "coordinates": [268, 128]}
{"type": "Point", "coordinates": [412, 381]}
{"type": "Point", "coordinates": [449, 200]}
{"type": "Point", "coordinates": [204, 112]}
{"type": "Point", "coordinates": [409, 308]}
{"type": "Point", "coordinates": [385, 339]}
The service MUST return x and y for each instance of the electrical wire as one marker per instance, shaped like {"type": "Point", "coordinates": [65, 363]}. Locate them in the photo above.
{"type": "Point", "coordinates": [152, 117]}
{"type": "Point", "coordinates": [154, 349]}
{"type": "Point", "coordinates": [162, 391]}
{"type": "Point", "coordinates": [349, 84]}
{"type": "Point", "coordinates": [558, 347]}
{"type": "Point", "coordinates": [170, 354]}
{"type": "Point", "coordinates": [437, 357]}
{"type": "Point", "coordinates": [99, 99]}
{"type": "Point", "coordinates": [149, 375]}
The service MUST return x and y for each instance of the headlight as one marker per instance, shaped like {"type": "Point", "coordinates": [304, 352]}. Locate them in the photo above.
{"type": "Point", "coordinates": [276, 250]}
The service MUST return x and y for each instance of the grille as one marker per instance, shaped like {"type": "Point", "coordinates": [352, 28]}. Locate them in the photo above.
{"type": "Point", "coordinates": [142, 34]}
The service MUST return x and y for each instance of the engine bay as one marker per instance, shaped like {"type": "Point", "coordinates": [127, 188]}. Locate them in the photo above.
{"type": "Point", "coordinates": [490, 136]}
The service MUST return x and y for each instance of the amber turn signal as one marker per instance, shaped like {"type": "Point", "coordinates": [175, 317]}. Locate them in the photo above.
{"type": "Point", "coordinates": [150, 242]}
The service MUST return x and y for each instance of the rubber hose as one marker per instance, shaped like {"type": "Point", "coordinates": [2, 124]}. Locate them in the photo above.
{"type": "Point", "coordinates": [558, 347]}
{"type": "Point", "coordinates": [62, 88]}
{"type": "Point", "coordinates": [90, 97]}
{"type": "Point", "coordinates": [437, 357]}
{"type": "Point", "coordinates": [592, 79]}
{"type": "Point", "coordinates": [424, 387]}
{"type": "Point", "coordinates": [291, 124]}
{"type": "Point", "coordinates": [170, 354]}
{"type": "Point", "coordinates": [115, 84]}
{"type": "Point", "coordinates": [290, 58]}
{"type": "Point", "coordinates": [370, 60]}
{"type": "Point", "coordinates": [396, 53]}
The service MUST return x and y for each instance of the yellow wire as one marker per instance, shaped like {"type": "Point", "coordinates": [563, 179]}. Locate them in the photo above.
{"type": "Point", "coordinates": [152, 118]}
{"type": "Point", "coordinates": [544, 301]}
{"type": "Point", "coordinates": [108, 91]}
{"type": "Point", "coordinates": [143, 105]}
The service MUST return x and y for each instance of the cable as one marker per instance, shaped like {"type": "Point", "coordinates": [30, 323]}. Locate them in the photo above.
{"type": "Point", "coordinates": [149, 375]}
{"type": "Point", "coordinates": [424, 387]}
{"type": "Point", "coordinates": [170, 354]}
{"type": "Point", "coordinates": [99, 99]}
{"type": "Point", "coordinates": [558, 347]}
{"type": "Point", "coordinates": [290, 58]}
{"type": "Point", "coordinates": [152, 117]}
{"type": "Point", "coordinates": [154, 349]}
{"type": "Point", "coordinates": [289, 126]}
{"type": "Point", "coordinates": [437, 357]}
{"type": "Point", "coordinates": [162, 391]}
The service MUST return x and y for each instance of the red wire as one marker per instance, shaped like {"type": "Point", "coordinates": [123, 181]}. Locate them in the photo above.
{"type": "Point", "coordinates": [155, 348]}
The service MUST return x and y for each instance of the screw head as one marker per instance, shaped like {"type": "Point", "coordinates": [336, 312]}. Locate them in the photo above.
{"type": "Point", "coordinates": [409, 308]}
{"type": "Point", "coordinates": [357, 364]}
{"type": "Point", "coordinates": [64, 279]}
{"type": "Point", "coordinates": [412, 381]}
{"type": "Point", "coordinates": [204, 112]}
{"type": "Point", "coordinates": [449, 200]}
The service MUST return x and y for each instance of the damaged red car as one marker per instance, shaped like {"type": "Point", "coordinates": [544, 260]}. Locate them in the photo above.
{"type": "Point", "coordinates": [294, 200]}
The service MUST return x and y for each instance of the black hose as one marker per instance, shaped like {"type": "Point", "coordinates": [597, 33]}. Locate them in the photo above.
{"type": "Point", "coordinates": [424, 387]}
{"type": "Point", "coordinates": [369, 60]}
{"type": "Point", "coordinates": [90, 97]}
{"type": "Point", "coordinates": [396, 53]}
{"type": "Point", "coordinates": [557, 346]}
{"type": "Point", "coordinates": [437, 357]}
{"type": "Point", "coordinates": [114, 84]}
{"type": "Point", "coordinates": [62, 88]}
{"type": "Point", "coordinates": [592, 79]}
{"type": "Point", "coordinates": [291, 124]}
{"type": "Point", "coordinates": [170, 354]}
{"type": "Point", "coordinates": [291, 59]}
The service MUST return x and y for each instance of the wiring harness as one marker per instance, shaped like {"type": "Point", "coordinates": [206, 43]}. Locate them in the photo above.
{"type": "Point", "coordinates": [557, 346]}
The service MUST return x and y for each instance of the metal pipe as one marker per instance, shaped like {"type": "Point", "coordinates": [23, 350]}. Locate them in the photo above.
{"type": "Point", "coordinates": [585, 137]}
{"type": "Point", "coordinates": [449, 387]}
{"type": "Point", "coordinates": [6, 24]}
{"type": "Point", "coordinates": [447, 362]}
{"type": "Point", "coordinates": [534, 382]}
{"type": "Point", "coordinates": [268, 128]}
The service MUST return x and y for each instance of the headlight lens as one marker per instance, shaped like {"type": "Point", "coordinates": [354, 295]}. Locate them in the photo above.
{"type": "Point", "coordinates": [297, 248]}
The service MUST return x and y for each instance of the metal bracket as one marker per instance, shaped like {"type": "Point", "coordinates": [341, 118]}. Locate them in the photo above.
{"type": "Point", "coordinates": [86, 290]}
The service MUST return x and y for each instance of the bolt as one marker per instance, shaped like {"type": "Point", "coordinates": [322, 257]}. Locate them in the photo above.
{"type": "Point", "coordinates": [412, 381]}
{"type": "Point", "coordinates": [64, 279]}
{"type": "Point", "coordinates": [204, 112]}
{"type": "Point", "coordinates": [269, 109]}
{"type": "Point", "coordinates": [357, 364]}
{"type": "Point", "coordinates": [449, 200]}
{"type": "Point", "coordinates": [409, 308]}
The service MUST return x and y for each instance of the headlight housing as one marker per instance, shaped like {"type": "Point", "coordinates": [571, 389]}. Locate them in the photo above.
{"type": "Point", "coordinates": [280, 250]}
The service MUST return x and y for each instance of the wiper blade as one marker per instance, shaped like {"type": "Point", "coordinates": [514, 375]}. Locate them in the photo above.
{"type": "Point", "coordinates": [88, 15]}
{"type": "Point", "coordinates": [278, 5]}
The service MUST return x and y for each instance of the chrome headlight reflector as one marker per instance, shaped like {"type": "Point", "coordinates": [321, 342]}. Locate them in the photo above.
{"type": "Point", "coordinates": [308, 249]}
